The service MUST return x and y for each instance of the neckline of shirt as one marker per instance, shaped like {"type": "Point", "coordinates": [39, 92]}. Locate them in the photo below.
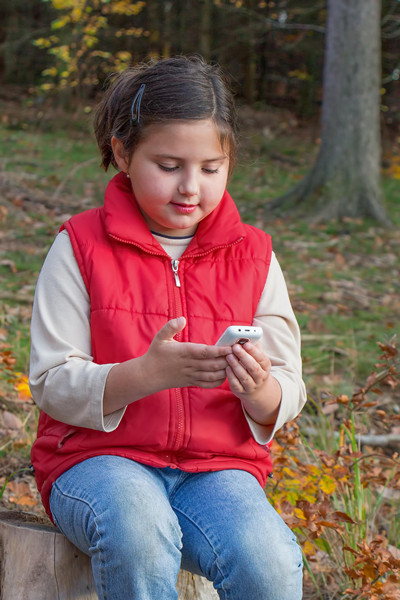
{"type": "Point", "coordinates": [172, 237]}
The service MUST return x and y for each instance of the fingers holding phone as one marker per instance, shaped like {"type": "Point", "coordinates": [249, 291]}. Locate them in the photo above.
{"type": "Point", "coordinates": [249, 374]}
{"type": "Point", "coordinates": [184, 364]}
{"type": "Point", "coordinates": [248, 369]}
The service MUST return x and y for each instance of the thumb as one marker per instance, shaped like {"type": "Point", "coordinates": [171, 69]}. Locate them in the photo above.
{"type": "Point", "coordinates": [171, 328]}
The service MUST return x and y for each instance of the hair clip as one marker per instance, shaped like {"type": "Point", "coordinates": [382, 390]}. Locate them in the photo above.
{"type": "Point", "coordinates": [135, 108]}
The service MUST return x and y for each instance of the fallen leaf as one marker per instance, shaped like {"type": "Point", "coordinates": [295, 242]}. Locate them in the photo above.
{"type": "Point", "coordinates": [9, 263]}
{"type": "Point", "coordinates": [11, 421]}
{"type": "Point", "coordinates": [25, 500]}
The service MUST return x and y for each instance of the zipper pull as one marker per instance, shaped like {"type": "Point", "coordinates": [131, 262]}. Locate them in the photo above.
{"type": "Point", "coordinates": [175, 267]}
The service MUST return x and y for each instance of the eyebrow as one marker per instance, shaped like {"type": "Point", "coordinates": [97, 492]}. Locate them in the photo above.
{"type": "Point", "coordinates": [207, 160]}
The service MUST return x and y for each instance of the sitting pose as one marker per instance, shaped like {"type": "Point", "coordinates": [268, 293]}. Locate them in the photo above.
{"type": "Point", "coordinates": [152, 449]}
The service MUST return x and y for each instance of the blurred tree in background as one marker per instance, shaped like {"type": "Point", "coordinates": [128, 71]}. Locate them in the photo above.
{"type": "Point", "coordinates": [88, 40]}
{"type": "Point", "coordinates": [271, 55]}
{"type": "Point", "coordinates": [21, 23]}
{"type": "Point", "coordinates": [345, 180]}
{"type": "Point", "coordinates": [274, 50]}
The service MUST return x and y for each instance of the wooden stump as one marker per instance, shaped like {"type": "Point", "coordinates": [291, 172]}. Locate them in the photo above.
{"type": "Point", "coordinates": [38, 563]}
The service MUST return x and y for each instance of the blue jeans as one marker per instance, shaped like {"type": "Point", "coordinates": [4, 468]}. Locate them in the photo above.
{"type": "Point", "coordinates": [140, 524]}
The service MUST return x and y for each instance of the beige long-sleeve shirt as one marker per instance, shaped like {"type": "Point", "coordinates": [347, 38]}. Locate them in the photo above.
{"type": "Point", "coordinates": [69, 386]}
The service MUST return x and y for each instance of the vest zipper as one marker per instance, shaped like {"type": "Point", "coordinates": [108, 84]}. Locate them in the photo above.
{"type": "Point", "coordinates": [179, 431]}
{"type": "Point", "coordinates": [175, 267]}
{"type": "Point", "coordinates": [179, 435]}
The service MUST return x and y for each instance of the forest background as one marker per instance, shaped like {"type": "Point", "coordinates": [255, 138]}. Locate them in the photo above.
{"type": "Point", "coordinates": [337, 469]}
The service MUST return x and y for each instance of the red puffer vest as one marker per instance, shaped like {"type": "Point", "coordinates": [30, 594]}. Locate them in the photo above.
{"type": "Point", "coordinates": [134, 290]}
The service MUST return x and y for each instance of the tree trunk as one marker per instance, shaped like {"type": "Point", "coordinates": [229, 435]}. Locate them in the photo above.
{"type": "Point", "coordinates": [38, 563]}
{"type": "Point", "coordinates": [167, 28]}
{"type": "Point", "coordinates": [154, 27]}
{"type": "Point", "coordinates": [205, 29]}
{"type": "Point", "coordinates": [345, 180]}
{"type": "Point", "coordinates": [250, 56]}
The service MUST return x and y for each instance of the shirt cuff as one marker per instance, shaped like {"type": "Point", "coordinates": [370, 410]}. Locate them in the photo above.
{"type": "Point", "coordinates": [288, 409]}
{"type": "Point", "coordinates": [261, 433]}
{"type": "Point", "coordinates": [111, 421]}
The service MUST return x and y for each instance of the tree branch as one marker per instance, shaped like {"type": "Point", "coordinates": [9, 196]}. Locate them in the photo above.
{"type": "Point", "coordinates": [16, 43]}
{"type": "Point", "coordinates": [294, 26]}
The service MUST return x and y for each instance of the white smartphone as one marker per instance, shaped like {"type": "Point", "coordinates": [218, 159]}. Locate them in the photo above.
{"type": "Point", "coordinates": [240, 334]}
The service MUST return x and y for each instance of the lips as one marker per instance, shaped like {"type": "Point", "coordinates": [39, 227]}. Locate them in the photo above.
{"type": "Point", "coordinates": [185, 209]}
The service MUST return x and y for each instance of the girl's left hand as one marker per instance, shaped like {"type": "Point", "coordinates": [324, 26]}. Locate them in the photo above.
{"type": "Point", "coordinates": [249, 368]}
{"type": "Point", "coordinates": [249, 377]}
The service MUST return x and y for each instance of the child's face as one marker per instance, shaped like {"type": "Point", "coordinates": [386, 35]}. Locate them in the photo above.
{"type": "Point", "coordinates": [178, 173]}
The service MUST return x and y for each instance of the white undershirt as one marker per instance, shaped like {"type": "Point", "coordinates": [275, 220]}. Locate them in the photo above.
{"type": "Point", "coordinates": [69, 386]}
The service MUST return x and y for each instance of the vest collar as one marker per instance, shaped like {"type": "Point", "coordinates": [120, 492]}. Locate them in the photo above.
{"type": "Point", "coordinates": [124, 221]}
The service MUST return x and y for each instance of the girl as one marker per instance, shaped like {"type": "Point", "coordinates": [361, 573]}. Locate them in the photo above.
{"type": "Point", "coordinates": [153, 442]}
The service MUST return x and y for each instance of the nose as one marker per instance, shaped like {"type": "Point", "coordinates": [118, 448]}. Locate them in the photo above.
{"type": "Point", "coordinates": [188, 185]}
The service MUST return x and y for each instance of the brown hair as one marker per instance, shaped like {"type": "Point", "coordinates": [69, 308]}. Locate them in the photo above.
{"type": "Point", "coordinates": [177, 88]}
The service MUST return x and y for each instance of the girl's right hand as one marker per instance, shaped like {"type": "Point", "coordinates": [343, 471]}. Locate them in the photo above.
{"type": "Point", "coordinates": [184, 364]}
{"type": "Point", "coordinates": [167, 364]}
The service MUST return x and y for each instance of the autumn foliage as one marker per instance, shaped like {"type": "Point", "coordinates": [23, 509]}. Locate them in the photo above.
{"type": "Point", "coordinates": [79, 34]}
{"type": "Point", "coordinates": [342, 501]}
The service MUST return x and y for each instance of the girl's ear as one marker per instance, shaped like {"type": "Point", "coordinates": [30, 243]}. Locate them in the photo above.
{"type": "Point", "coordinates": [119, 153]}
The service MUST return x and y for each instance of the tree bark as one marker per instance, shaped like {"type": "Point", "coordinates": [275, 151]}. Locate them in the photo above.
{"type": "Point", "coordinates": [154, 27]}
{"type": "Point", "coordinates": [38, 563]}
{"type": "Point", "coordinates": [345, 180]}
{"type": "Point", "coordinates": [205, 29]}
{"type": "Point", "coordinates": [250, 57]}
{"type": "Point", "coordinates": [167, 27]}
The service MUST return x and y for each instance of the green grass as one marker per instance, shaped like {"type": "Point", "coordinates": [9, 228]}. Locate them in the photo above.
{"type": "Point", "coordinates": [343, 278]}
{"type": "Point", "coordinates": [53, 158]}
{"type": "Point", "coordinates": [59, 169]}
